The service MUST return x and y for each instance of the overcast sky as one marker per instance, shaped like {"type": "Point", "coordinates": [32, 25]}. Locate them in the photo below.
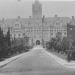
{"type": "Point", "coordinates": [23, 8]}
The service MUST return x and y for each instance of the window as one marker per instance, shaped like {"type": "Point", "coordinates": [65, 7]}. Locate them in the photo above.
{"type": "Point", "coordinates": [64, 30]}
{"type": "Point", "coordinates": [23, 34]}
{"type": "Point", "coordinates": [64, 33]}
{"type": "Point", "coordinates": [16, 25]}
{"type": "Point", "coordinates": [51, 33]}
{"type": "Point", "coordinates": [14, 35]}
{"type": "Point", "coordinates": [19, 35]}
{"type": "Point", "coordinates": [70, 28]}
{"type": "Point", "coordinates": [10, 35]}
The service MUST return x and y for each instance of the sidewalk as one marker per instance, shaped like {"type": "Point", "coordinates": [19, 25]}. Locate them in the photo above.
{"type": "Point", "coordinates": [63, 62]}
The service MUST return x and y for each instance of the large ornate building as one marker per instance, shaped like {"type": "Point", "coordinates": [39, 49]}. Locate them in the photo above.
{"type": "Point", "coordinates": [37, 26]}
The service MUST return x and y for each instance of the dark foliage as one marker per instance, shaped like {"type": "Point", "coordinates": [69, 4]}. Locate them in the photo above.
{"type": "Point", "coordinates": [10, 48]}
{"type": "Point", "coordinates": [65, 45]}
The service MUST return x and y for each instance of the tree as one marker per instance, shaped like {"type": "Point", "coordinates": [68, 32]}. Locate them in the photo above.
{"type": "Point", "coordinates": [1, 37]}
{"type": "Point", "coordinates": [59, 36]}
{"type": "Point", "coordinates": [53, 43]}
{"type": "Point", "coordinates": [2, 44]}
{"type": "Point", "coordinates": [26, 40]}
{"type": "Point", "coordinates": [66, 44]}
{"type": "Point", "coordinates": [49, 45]}
{"type": "Point", "coordinates": [7, 44]}
{"type": "Point", "coordinates": [58, 46]}
{"type": "Point", "coordinates": [8, 37]}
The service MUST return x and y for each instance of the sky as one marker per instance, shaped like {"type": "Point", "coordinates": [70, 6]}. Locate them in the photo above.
{"type": "Point", "coordinates": [23, 8]}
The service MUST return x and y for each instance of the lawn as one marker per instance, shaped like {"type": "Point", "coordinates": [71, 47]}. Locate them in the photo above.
{"type": "Point", "coordinates": [62, 56]}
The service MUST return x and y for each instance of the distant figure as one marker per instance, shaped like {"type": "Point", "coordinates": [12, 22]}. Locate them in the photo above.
{"type": "Point", "coordinates": [37, 42]}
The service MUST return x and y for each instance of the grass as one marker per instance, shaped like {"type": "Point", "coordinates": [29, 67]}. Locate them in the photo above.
{"type": "Point", "coordinates": [62, 56]}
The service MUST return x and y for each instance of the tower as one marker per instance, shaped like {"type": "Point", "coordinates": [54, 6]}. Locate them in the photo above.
{"type": "Point", "coordinates": [36, 9]}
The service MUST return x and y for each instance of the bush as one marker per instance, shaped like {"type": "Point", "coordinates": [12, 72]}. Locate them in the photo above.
{"type": "Point", "coordinates": [59, 45]}
{"type": "Point", "coordinates": [48, 45]}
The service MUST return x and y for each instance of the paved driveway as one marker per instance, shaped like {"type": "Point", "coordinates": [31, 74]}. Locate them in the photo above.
{"type": "Point", "coordinates": [35, 62]}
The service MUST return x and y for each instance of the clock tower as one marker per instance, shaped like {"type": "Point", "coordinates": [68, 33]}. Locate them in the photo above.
{"type": "Point", "coordinates": [36, 9]}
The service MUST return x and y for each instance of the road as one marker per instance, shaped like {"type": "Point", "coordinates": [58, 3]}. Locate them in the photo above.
{"type": "Point", "coordinates": [35, 62]}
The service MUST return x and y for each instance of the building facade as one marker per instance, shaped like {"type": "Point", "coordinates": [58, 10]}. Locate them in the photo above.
{"type": "Point", "coordinates": [37, 26]}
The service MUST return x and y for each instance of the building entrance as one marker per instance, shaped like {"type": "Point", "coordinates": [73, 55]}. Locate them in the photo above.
{"type": "Point", "coordinates": [37, 42]}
